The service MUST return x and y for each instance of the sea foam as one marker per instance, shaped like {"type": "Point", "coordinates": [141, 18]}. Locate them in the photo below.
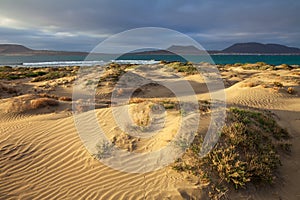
{"type": "Point", "coordinates": [86, 63]}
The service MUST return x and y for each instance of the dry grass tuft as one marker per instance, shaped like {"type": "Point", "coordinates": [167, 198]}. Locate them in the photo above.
{"type": "Point", "coordinates": [42, 102]}
{"type": "Point", "coordinates": [141, 113]}
{"type": "Point", "coordinates": [27, 103]}
{"type": "Point", "coordinates": [125, 141]}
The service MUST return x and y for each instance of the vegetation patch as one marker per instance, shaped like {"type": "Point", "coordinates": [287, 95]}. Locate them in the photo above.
{"type": "Point", "coordinates": [186, 68]}
{"type": "Point", "coordinates": [38, 74]}
{"type": "Point", "coordinates": [43, 102]}
{"type": "Point", "coordinates": [104, 149]}
{"type": "Point", "coordinates": [248, 152]}
{"type": "Point", "coordinates": [7, 88]}
{"type": "Point", "coordinates": [29, 102]}
{"type": "Point", "coordinates": [258, 66]}
{"type": "Point", "coordinates": [278, 84]}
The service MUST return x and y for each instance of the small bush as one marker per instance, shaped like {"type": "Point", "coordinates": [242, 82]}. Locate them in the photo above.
{"type": "Point", "coordinates": [104, 150]}
{"type": "Point", "coordinates": [229, 167]}
{"type": "Point", "coordinates": [169, 105]}
{"type": "Point", "coordinates": [13, 77]}
{"type": "Point", "coordinates": [19, 73]}
{"type": "Point", "coordinates": [29, 102]}
{"type": "Point", "coordinates": [65, 98]}
{"type": "Point", "coordinates": [141, 113]}
{"type": "Point", "coordinates": [35, 74]}
{"type": "Point", "coordinates": [258, 66]}
{"type": "Point", "coordinates": [278, 84]}
{"type": "Point", "coordinates": [52, 75]}
{"type": "Point", "coordinates": [186, 68]}
{"type": "Point", "coordinates": [124, 141]}
{"type": "Point", "coordinates": [6, 68]}
{"type": "Point", "coordinates": [43, 102]}
{"type": "Point", "coordinates": [291, 90]}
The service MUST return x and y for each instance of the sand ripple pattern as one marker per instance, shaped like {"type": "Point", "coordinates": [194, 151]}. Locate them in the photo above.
{"type": "Point", "coordinates": [45, 159]}
{"type": "Point", "coordinates": [257, 97]}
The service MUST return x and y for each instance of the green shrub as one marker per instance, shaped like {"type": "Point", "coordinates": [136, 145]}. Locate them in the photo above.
{"type": "Point", "coordinates": [104, 150]}
{"type": "Point", "coordinates": [187, 68]}
{"type": "Point", "coordinates": [6, 68]}
{"type": "Point", "coordinates": [247, 151]}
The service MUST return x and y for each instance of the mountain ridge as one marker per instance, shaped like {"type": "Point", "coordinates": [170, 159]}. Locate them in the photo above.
{"type": "Point", "coordinates": [17, 49]}
{"type": "Point", "coordinates": [238, 48]}
{"type": "Point", "coordinates": [254, 47]}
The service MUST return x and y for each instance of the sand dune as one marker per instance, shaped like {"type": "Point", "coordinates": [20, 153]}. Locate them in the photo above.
{"type": "Point", "coordinates": [42, 156]}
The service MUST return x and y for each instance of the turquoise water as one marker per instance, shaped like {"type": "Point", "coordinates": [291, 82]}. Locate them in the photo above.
{"type": "Point", "coordinates": [270, 59]}
{"type": "Point", "coordinates": [217, 59]}
{"type": "Point", "coordinates": [227, 59]}
{"type": "Point", "coordinates": [18, 60]}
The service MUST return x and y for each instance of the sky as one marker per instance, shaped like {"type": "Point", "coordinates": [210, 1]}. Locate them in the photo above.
{"type": "Point", "coordinates": [80, 25]}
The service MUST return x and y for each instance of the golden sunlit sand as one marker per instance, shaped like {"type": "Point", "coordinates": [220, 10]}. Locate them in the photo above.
{"type": "Point", "coordinates": [42, 156]}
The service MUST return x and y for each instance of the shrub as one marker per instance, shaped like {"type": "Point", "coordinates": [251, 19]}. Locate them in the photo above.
{"type": "Point", "coordinates": [247, 151]}
{"type": "Point", "coordinates": [169, 105]}
{"type": "Point", "coordinates": [228, 166]}
{"type": "Point", "coordinates": [104, 149]}
{"type": "Point", "coordinates": [258, 66]}
{"type": "Point", "coordinates": [141, 113]}
{"type": "Point", "coordinates": [35, 74]}
{"type": "Point", "coordinates": [43, 102]}
{"type": "Point", "coordinates": [19, 72]}
{"type": "Point", "coordinates": [291, 90]}
{"type": "Point", "coordinates": [65, 98]}
{"type": "Point", "coordinates": [5, 68]}
{"type": "Point", "coordinates": [278, 84]}
{"type": "Point", "coordinates": [28, 102]}
{"type": "Point", "coordinates": [52, 75]}
{"type": "Point", "coordinates": [13, 76]}
{"type": "Point", "coordinates": [124, 141]}
{"type": "Point", "coordinates": [186, 68]}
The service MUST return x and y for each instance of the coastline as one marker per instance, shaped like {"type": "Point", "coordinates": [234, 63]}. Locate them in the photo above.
{"type": "Point", "coordinates": [221, 59]}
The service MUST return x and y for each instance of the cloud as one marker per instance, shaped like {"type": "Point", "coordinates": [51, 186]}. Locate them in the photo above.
{"type": "Point", "coordinates": [47, 40]}
{"type": "Point", "coordinates": [215, 23]}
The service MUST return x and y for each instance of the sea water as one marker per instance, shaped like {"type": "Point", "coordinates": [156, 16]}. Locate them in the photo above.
{"type": "Point", "coordinates": [65, 60]}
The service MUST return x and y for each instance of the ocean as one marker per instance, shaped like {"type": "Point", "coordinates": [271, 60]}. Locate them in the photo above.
{"type": "Point", "coordinates": [63, 60]}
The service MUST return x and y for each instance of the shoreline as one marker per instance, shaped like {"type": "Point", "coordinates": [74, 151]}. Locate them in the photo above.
{"type": "Point", "coordinates": [214, 59]}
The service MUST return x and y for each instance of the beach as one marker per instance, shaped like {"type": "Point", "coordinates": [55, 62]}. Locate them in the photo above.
{"type": "Point", "coordinates": [42, 155]}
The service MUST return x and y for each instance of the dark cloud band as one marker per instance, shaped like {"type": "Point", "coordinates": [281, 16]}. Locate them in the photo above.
{"type": "Point", "coordinates": [80, 25]}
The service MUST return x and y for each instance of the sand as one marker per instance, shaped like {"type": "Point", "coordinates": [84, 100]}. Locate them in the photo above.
{"type": "Point", "coordinates": [42, 156]}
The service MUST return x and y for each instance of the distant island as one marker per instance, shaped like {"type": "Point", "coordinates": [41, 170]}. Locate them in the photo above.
{"type": "Point", "coordinates": [258, 48]}
{"type": "Point", "coordinates": [238, 48]}
{"type": "Point", "coordinates": [16, 49]}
